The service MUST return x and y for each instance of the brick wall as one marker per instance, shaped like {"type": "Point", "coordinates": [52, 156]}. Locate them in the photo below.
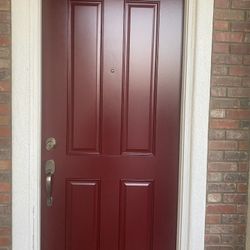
{"type": "Point", "coordinates": [228, 154]}
{"type": "Point", "coordinates": [228, 136]}
{"type": "Point", "coordinates": [5, 132]}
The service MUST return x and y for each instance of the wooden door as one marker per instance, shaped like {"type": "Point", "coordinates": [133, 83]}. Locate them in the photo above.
{"type": "Point", "coordinates": [111, 99]}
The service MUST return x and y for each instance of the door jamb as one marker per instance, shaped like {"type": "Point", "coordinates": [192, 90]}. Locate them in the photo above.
{"type": "Point", "coordinates": [26, 124]}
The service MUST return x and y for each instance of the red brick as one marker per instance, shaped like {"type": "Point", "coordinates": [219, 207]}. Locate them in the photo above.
{"type": "Point", "coordinates": [5, 165]}
{"type": "Point", "coordinates": [5, 97]}
{"type": "Point", "coordinates": [246, 60]}
{"type": "Point", "coordinates": [5, 41]}
{"type": "Point", "coordinates": [241, 4]}
{"type": "Point", "coordinates": [242, 209]}
{"type": "Point", "coordinates": [242, 187]}
{"type": "Point", "coordinates": [4, 109]}
{"type": "Point", "coordinates": [5, 128]}
{"type": "Point", "coordinates": [5, 17]}
{"type": "Point", "coordinates": [212, 238]}
{"type": "Point", "coordinates": [228, 14]}
{"type": "Point", "coordinates": [5, 131]}
{"type": "Point", "coordinates": [235, 177]}
{"type": "Point", "coordinates": [238, 26]}
{"type": "Point", "coordinates": [4, 63]}
{"type": "Point", "coordinates": [221, 48]}
{"type": "Point", "coordinates": [228, 36]}
{"type": "Point", "coordinates": [214, 177]}
{"type": "Point", "coordinates": [4, 241]}
{"type": "Point", "coordinates": [238, 92]}
{"type": "Point", "coordinates": [5, 187]}
{"type": "Point", "coordinates": [221, 25]}
{"type": "Point", "coordinates": [220, 70]}
{"type": "Point", "coordinates": [246, 82]}
{"type": "Point", "coordinates": [215, 155]}
{"type": "Point", "coordinates": [5, 210]}
{"type": "Point", "coordinates": [235, 198]}
{"type": "Point", "coordinates": [241, 229]}
{"type": "Point", "coordinates": [237, 135]}
{"type": "Point", "coordinates": [233, 239]}
{"type": "Point", "coordinates": [223, 145]}
{"type": "Point", "coordinates": [221, 187]}
{"type": "Point", "coordinates": [222, 166]}
{"type": "Point", "coordinates": [221, 229]}
{"type": "Point", "coordinates": [4, 5]}
{"type": "Point", "coordinates": [247, 38]}
{"type": "Point", "coordinates": [221, 208]}
{"type": "Point", "coordinates": [239, 71]}
{"type": "Point", "coordinates": [218, 91]}
{"type": "Point", "coordinates": [244, 145]}
{"type": "Point", "coordinates": [240, 49]}
{"type": "Point", "coordinates": [228, 81]}
{"type": "Point", "coordinates": [238, 114]}
{"type": "Point", "coordinates": [245, 103]}
{"type": "Point", "coordinates": [226, 59]}
{"type": "Point", "coordinates": [224, 103]}
{"type": "Point", "coordinates": [221, 3]}
{"type": "Point", "coordinates": [4, 86]}
{"type": "Point", "coordinates": [4, 198]}
{"type": "Point", "coordinates": [217, 134]}
{"type": "Point", "coordinates": [233, 219]}
{"type": "Point", "coordinates": [5, 231]}
{"type": "Point", "coordinates": [247, 16]}
{"type": "Point", "coordinates": [213, 218]}
{"type": "Point", "coordinates": [243, 166]}
{"type": "Point", "coordinates": [4, 29]}
{"type": "Point", "coordinates": [225, 124]}
{"type": "Point", "coordinates": [236, 156]}
{"type": "Point", "coordinates": [4, 120]}
{"type": "Point", "coordinates": [219, 248]}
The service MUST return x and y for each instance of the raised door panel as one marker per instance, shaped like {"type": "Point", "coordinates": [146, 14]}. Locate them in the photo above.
{"type": "Point", "coordinates": [82, 214]}
{"type": "Point", "coordinates": [84, 83]}
{"type": "Point", "coordinates": [140, 77]}
{"type": "Point", "coordinates": [136, 215]}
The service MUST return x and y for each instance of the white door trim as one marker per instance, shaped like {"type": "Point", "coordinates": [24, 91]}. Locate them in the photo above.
{"type": "Point", "coordinates": [26, 123]}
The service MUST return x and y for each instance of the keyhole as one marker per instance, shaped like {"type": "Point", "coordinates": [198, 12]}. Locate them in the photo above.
{"type": "Point", "coordinates": [112, 70]}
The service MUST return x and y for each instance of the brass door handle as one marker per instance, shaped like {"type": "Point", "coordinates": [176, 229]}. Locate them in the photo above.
{"type": "Point", "coordinates": [50, 168]}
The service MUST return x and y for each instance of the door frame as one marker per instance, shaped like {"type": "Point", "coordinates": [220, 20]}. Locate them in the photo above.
{"type": "Point", "coordinates": [26, 124]}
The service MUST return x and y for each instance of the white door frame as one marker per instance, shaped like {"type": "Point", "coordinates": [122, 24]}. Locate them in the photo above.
{"type": "Point", "coordinates": [26, 123]}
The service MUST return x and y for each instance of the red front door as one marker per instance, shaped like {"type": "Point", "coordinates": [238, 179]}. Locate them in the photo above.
{"type": "Point", "coordinates": [111, 100]}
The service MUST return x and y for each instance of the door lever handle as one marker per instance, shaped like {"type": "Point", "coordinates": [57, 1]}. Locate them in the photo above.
{"type": "Point", "coordinates": [50, 168]}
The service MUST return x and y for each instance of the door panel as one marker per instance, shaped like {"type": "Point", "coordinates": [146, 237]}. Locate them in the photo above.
{"type": "Point", "coordinates": [140, 77]}
{"type": "Point", "coordinates": [134, 196]}
{"type": "Point", "coordinates": [84, 77]}
{"type": "Point", "coordinates": [111, 99]}
{"type": "Point", "coordinates": [83, 214]}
